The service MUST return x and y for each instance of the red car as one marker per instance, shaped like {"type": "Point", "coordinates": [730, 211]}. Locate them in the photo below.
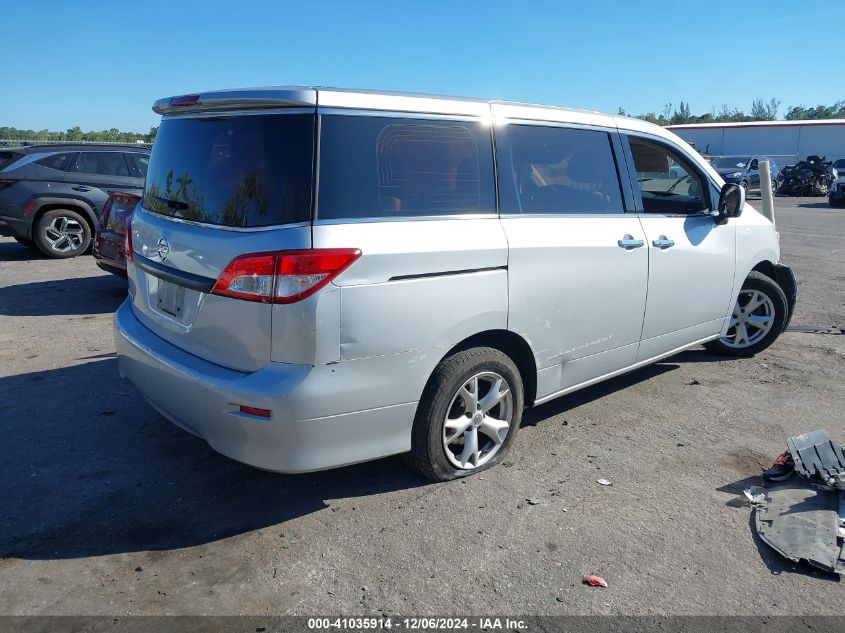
{"type": "Point", "coordinates": [109, 243]}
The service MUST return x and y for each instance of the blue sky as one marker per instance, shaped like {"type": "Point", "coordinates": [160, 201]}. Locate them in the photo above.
{"type": "Point", "coordinates": [102, 64]}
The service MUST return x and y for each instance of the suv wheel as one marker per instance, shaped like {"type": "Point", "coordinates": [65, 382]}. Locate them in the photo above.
{"type": "Point", "coordinates": [758, 318]}
{"type": "Point", "coordinates": [62, 233]}
{"type": "Point", "coordinates": [468, 415]}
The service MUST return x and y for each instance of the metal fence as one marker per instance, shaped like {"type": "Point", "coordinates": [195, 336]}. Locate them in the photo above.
{"type": "Point", "coordinates": [20, 142]}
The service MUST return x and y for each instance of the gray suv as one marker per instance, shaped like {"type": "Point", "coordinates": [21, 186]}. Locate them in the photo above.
{"type": "Point", "coordinates": [52, 195]}
{"type": "Point", "coordinates": [319, 277]}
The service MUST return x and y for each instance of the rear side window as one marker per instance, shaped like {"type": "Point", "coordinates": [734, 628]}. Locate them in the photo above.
{"type": "Point", "coordinates": [100, 163]}
{"type": "Point", "coordinates": [56, 161]}
{"type": "Point", "coordinates": [382, 167]}
{"type": "Point", "coordinates": [547, 169]}
{"type": "Point", "coordinates": [243, 171]}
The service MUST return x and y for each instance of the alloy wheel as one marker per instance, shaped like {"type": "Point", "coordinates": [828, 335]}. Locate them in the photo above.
{"type": "Point", "coordinates": [752, 318]}
{"type": "Point", "coordinates": [64, 234]}
{"type": "Point", "coordinates": [478, 420]}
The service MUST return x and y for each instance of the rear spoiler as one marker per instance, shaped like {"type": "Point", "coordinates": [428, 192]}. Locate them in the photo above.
{"type": "Point", "coordinates": [241, 99]}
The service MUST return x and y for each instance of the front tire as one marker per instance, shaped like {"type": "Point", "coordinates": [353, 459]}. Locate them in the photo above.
{"type": "Point", "coordinates": [759, 316]}
{"type": "Point", "coordinates": [468, 415]}
{"type": "Point", "coordinates": [62, 233]}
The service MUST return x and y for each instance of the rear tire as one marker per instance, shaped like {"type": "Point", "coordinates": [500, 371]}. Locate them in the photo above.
{"type": "Point", "coordinates": [62, 233]}
{"type": "Point", "coordinates": [468, 416]}
{"type": "Point", "coordinates": [759, 317]}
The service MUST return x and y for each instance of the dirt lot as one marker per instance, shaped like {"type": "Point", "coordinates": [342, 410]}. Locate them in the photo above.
{"type": "Point", "coordinates": [105, 508]}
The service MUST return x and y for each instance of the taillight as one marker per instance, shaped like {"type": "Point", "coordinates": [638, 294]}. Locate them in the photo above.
{"type": "Point", "coordinates": [283, 276]}
{"type": "Point", "coordinates": [104, 216]}
{"type": "Point", "coordinates": [127, 245]}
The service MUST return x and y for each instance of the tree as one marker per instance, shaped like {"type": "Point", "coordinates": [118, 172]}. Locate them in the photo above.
{"type": "Point", "coordinates": [764, 111]}
{"type": "Point", "coordinates": [798, 113]}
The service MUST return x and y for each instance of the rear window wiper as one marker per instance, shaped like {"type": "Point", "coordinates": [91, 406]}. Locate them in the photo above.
{"type": "Point", "coordinates": [173, 204]}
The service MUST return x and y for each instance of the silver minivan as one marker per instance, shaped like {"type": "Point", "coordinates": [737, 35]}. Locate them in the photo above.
{"type": "Point", "coordinates": [319, 277]}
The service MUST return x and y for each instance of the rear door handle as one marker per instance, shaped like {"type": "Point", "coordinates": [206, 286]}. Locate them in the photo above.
{"type": "Point", "coordinates": [663, 242]}
{"type": "Point", "coordinates": [629, 242]}
{"type": "Point", "coordinates": [81, 188]}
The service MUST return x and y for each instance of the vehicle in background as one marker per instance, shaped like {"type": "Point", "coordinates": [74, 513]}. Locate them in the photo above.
{"type": "Point", "coordinates": [51, 196]}
{"type": "Point", "coordinates": [836, 193]}
{"type": "Point", "coordinates": [811, 177]}
{"type": "Point", "coordinates": [744, 171]}
{"type": "Point", "coordinates": [110, 238]}
{"type": "Point", "coordinates": [411, 291]}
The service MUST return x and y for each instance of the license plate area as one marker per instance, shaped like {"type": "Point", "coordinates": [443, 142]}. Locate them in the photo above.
{"type": "Point", "coordinates": [170, 299]}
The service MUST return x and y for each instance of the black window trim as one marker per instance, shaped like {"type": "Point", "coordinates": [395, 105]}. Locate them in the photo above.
{"type": "Point", "coordinates": [398, 114]}
{"type": "Point", "coordinates": [666, 143]}
{"type": "Point", "coordinates": [619, 160]}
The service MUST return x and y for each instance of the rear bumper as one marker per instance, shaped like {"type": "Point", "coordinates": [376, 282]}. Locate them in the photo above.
{"type": "Point", "coordinates": [20, 227]}
{"type": "Point", "coordinates": [315, 422]}
{"type": "Point", "coordinates": [109, 252]}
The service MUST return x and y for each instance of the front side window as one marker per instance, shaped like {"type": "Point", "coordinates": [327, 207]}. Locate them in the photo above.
{"type": "Point", "coordinates": [557, 170]}
{"type": "Point", "coordinates": [241, 170]}
{"type": "Point", "coordinates": [382, 167]}
{"type": "Point", "coordinates": [667, 182]}
{"type": "Point", "coordinates": [100, 163]}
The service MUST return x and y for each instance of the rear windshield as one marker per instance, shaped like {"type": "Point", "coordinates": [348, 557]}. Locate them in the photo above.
{"type": "Point", "coordinates": [243, 171]}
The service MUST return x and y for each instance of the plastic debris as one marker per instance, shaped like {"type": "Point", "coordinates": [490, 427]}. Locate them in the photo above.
{"type": "Point", "coordinates": [594, 581]}
{"type": "Point", "coordinates": [604, 482]}
{"type": "Point", "coordinates": [755, 494]}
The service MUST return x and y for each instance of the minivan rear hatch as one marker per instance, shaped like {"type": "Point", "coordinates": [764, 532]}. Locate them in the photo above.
{"type": "Point", "coordinates": [219, 186]}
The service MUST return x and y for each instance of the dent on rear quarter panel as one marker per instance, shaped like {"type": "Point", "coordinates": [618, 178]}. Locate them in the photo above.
{"type": "Point", "coordinates": [308, 332]}
{"type": "Point", "coordinates": [415, 314]}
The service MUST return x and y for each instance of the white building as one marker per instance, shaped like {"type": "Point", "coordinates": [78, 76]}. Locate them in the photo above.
{"type": "Point", "coordinates": [784, 141]}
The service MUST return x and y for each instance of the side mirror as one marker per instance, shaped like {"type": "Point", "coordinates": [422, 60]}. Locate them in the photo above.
{"type": "Point", "coordinates": [731, 201]}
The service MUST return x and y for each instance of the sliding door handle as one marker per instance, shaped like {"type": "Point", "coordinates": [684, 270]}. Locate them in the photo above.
{"type": "Point", "coordinates": [663, 242]}
{"type": "Point", "coordinates": [628, 242]}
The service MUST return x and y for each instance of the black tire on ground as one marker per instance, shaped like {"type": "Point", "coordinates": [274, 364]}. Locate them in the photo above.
{"type": "Point", "coordinates": [77, 227]}
{"type": "Point", "coordinates": [24, 241]}
{"type": "Point", "coordinates": [767, 286]}
{"type": "Point", "coordinates": [428, 454]}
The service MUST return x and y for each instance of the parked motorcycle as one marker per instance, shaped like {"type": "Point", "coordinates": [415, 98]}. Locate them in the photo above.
{"type": "Point", "coordinates": [809, 177]}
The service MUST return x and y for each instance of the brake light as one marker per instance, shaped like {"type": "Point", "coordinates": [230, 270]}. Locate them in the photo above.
{"type": "Point", "coordinates": [283, 276]}
{"type": "Point", "coordinates": [130, 254]}
{"type": "Point", "coordinates": [184, 100]}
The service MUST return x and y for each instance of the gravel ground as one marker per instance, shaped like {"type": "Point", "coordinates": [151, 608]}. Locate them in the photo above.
{"type": "Point", "coordinates": [105, 508]}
